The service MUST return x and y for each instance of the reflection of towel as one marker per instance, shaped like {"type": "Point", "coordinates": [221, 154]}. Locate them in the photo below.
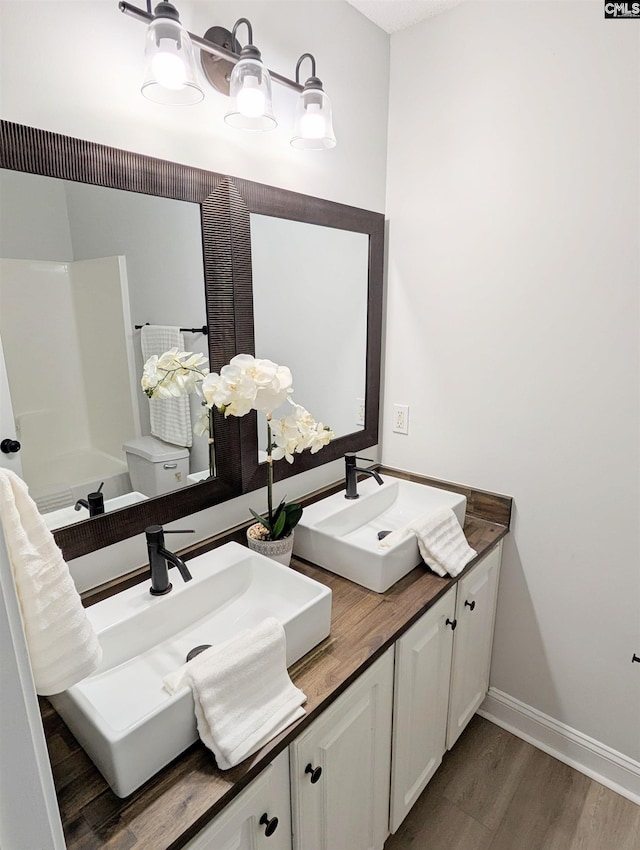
{"type": "Point", "coordinates": [63, 646]}
{"type": "Point", "coordinates": [170, 417]}
{"type": "Point", "coordinates": [441, 541]}
{"type": "Point", "coordinates": [242, 692]}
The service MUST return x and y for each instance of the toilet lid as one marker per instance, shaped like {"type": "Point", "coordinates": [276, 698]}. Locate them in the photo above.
{"type": "Point", "coordinates": [151, 448]}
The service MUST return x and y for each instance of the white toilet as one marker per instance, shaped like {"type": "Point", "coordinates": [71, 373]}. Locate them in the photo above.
{"type": "Point", "coordinates": [156, 467]}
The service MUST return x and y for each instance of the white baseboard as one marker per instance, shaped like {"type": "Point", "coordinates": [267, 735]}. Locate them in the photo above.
{"type": "Point", "coordinates": [596, 760]}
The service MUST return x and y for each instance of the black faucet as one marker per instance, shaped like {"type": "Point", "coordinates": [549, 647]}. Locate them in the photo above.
{"type": "Point", "coordinates": [158, 557]}
{"type": "Point", "coordinates": [351, 474]}
{"type": "Point", "coordinates": [94, 502]}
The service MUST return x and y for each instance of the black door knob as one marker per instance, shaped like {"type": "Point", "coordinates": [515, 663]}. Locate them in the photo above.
{"type": "Point", "coordinates": [452, 623]}
{"type": "Point", "coordinates": [470, 605]}
{"type": "Point", "coordinates": [316, 773]}
{"type": "Point", "coordinates": [270, 825]}
{"type": "Point", "coordinates": [9, 446]}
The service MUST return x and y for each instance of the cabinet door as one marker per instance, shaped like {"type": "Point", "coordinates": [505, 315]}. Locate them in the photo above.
{"type": "Point", "coordinates": [238, 827]}
{"type": "Point", "coordinates": [472, 642]}
{"type": "Point", "coordinates": [346, 807]}
{"type": "Point", "coordinates": [421, 699]}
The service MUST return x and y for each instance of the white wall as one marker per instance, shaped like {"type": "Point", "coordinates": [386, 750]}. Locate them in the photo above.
{"type": "Point", "coordinates": [512, 326]}
{"type": "Point", "coordinates": [34, 223]}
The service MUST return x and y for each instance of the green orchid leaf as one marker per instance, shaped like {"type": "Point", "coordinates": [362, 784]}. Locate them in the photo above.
{"type": "Point", "coordinates": [261, 520]}
{"type": "Point", "coordinates": [279, 525]}
{"type": "Point", "coordinates": [294, 513]}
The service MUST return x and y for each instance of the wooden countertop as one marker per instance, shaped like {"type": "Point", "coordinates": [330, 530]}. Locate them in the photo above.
{"type": "Point", "coordinates": [180, 800]}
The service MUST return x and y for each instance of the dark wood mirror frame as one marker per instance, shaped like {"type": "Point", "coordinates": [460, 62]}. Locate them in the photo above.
{"type": "Point", "coordinates": [226, 204]}
{"type": "Point", "coordinates": [247, 197]}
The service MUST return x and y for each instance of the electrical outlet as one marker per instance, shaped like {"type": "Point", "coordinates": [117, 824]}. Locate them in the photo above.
{"type": "Point", "coordinates": [401, 418]}
{"type": "Point", "coordinates": [360, 411]}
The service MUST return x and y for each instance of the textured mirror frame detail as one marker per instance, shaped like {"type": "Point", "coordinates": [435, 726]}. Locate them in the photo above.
{"type": "Point", "coordinates": [226, 204]}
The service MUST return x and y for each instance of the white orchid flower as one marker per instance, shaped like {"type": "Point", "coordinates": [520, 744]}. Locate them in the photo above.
{"type": "Point", "coordinates": [247, 383]}
{"type": "Point", "coordinates": [174, 373]}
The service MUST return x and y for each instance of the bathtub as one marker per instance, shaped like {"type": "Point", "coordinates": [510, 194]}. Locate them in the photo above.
{"type": "Point", "coordinates": [61, 480]}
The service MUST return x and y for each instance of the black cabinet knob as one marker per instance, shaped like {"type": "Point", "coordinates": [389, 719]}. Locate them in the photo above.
{"type": "Point", "coordinates": [635, 657]}
{"type": "Point", "coordinates": [10, 447]}
{"type": "Point", "coordinates": [270, 825]}
{"type": "Point", "coordinates": [470, 605]}
{"type": "Point", "coordinates": [452, 623]}
{"type": "Point", "coordinates": [316, 773]}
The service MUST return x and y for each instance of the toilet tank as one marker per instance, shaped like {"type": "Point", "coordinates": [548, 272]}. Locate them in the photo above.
{"type": "Point", "coordinates": [156, 467]}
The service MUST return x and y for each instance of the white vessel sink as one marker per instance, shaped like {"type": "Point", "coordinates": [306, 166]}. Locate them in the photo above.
{"type": "Point", "coordinates": [341, 535]}
{"type": "Point", "coordinates": [129, 725]}
{"type": "Point", "coordinates": [69, 515]}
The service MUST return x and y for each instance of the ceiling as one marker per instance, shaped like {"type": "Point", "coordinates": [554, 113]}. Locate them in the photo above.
{"type": "Point", "coordinates": [394, 15]}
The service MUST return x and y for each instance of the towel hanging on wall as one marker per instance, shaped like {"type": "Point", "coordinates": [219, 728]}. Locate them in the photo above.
{"type": "Point", "coordinates": [63, 647]}
{"type": "Point", "coordinates": [170, 417]}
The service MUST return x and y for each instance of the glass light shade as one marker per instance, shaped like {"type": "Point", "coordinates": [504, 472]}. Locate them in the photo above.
{"type": "Point", "coordinates": [170, 72]}
{"type": "Point", "coordinates": [313, 127]}
{"type": "Point", "coordinates": [250, 93]}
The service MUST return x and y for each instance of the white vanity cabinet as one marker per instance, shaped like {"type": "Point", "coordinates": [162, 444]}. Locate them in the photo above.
{"type": "Point", "coordinates": [336, 788]}
{"type": "Point", "coordinates": [441, 678]}
{"type": "Point", "coordinates": [248, 822]}
{"type": "Point", "coordinates": [472, 641]}
{"type": "Point", "coordinates": [421, 700]}
{"type": "Point", "coordinates": [340, 768]}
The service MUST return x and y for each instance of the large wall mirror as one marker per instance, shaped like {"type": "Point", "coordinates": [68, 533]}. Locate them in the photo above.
{"type": "Point", "coordinates": [94, 244]}
{"type": "Point", "coordinates": [312, 273]}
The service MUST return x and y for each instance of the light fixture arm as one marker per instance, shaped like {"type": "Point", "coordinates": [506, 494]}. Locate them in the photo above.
{"type": "Point", "coordinates": [204, 44]}
{"type": "Point", "coordinates": [249, 30]}
{"type": "Point", "coordinates": [304, 56]}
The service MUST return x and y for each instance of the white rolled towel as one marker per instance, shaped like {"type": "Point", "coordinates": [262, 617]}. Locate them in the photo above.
{"type": "Point", "coordinates": [63, 646]}
{"type": "Point", "coordinates": [242, 692]}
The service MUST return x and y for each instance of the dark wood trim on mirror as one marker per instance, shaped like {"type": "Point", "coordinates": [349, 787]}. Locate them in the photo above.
{"type": "Point", "coordinates": [40, 152]}
{"type": "Point", "coordinates": [248, 197]}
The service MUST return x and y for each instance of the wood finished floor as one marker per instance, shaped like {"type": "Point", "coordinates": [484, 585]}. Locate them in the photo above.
{"type": "Point", "coordinates": [494, 791]}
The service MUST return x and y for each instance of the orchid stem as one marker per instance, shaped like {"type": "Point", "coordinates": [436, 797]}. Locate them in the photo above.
{"type": "Point", "coordinates": [269, 473]}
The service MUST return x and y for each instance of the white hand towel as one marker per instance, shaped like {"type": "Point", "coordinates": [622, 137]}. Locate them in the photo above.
{"type": "Point", "coordinates": [63, 646]}
{"type": "Point", "coordinates": [170, 417]}
{"type": "Point", "coordinates": [242, 692]}
{"type": "Point", "coordinates": [442, 543]}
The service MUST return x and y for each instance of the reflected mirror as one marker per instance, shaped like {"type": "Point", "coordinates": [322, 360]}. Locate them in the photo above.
{"type": "Point", "coordinates": [140, 200]}
{"type": "Point", "coordinates": [311, 273]}
{"type": "Point", "coordinates": [310, 313]}
{"type": "Point", "coordinates": [74, 293]}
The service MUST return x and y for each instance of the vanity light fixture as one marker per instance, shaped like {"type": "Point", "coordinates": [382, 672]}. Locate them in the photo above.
{"type": "Point", "coordinates": [250, 88]}
{"type": "Point", "coordinates": [170, 68]}
{"type": "Point", "coordinates": [170, 76]}
{"type": "Point", "coordinates": [313, 128]}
